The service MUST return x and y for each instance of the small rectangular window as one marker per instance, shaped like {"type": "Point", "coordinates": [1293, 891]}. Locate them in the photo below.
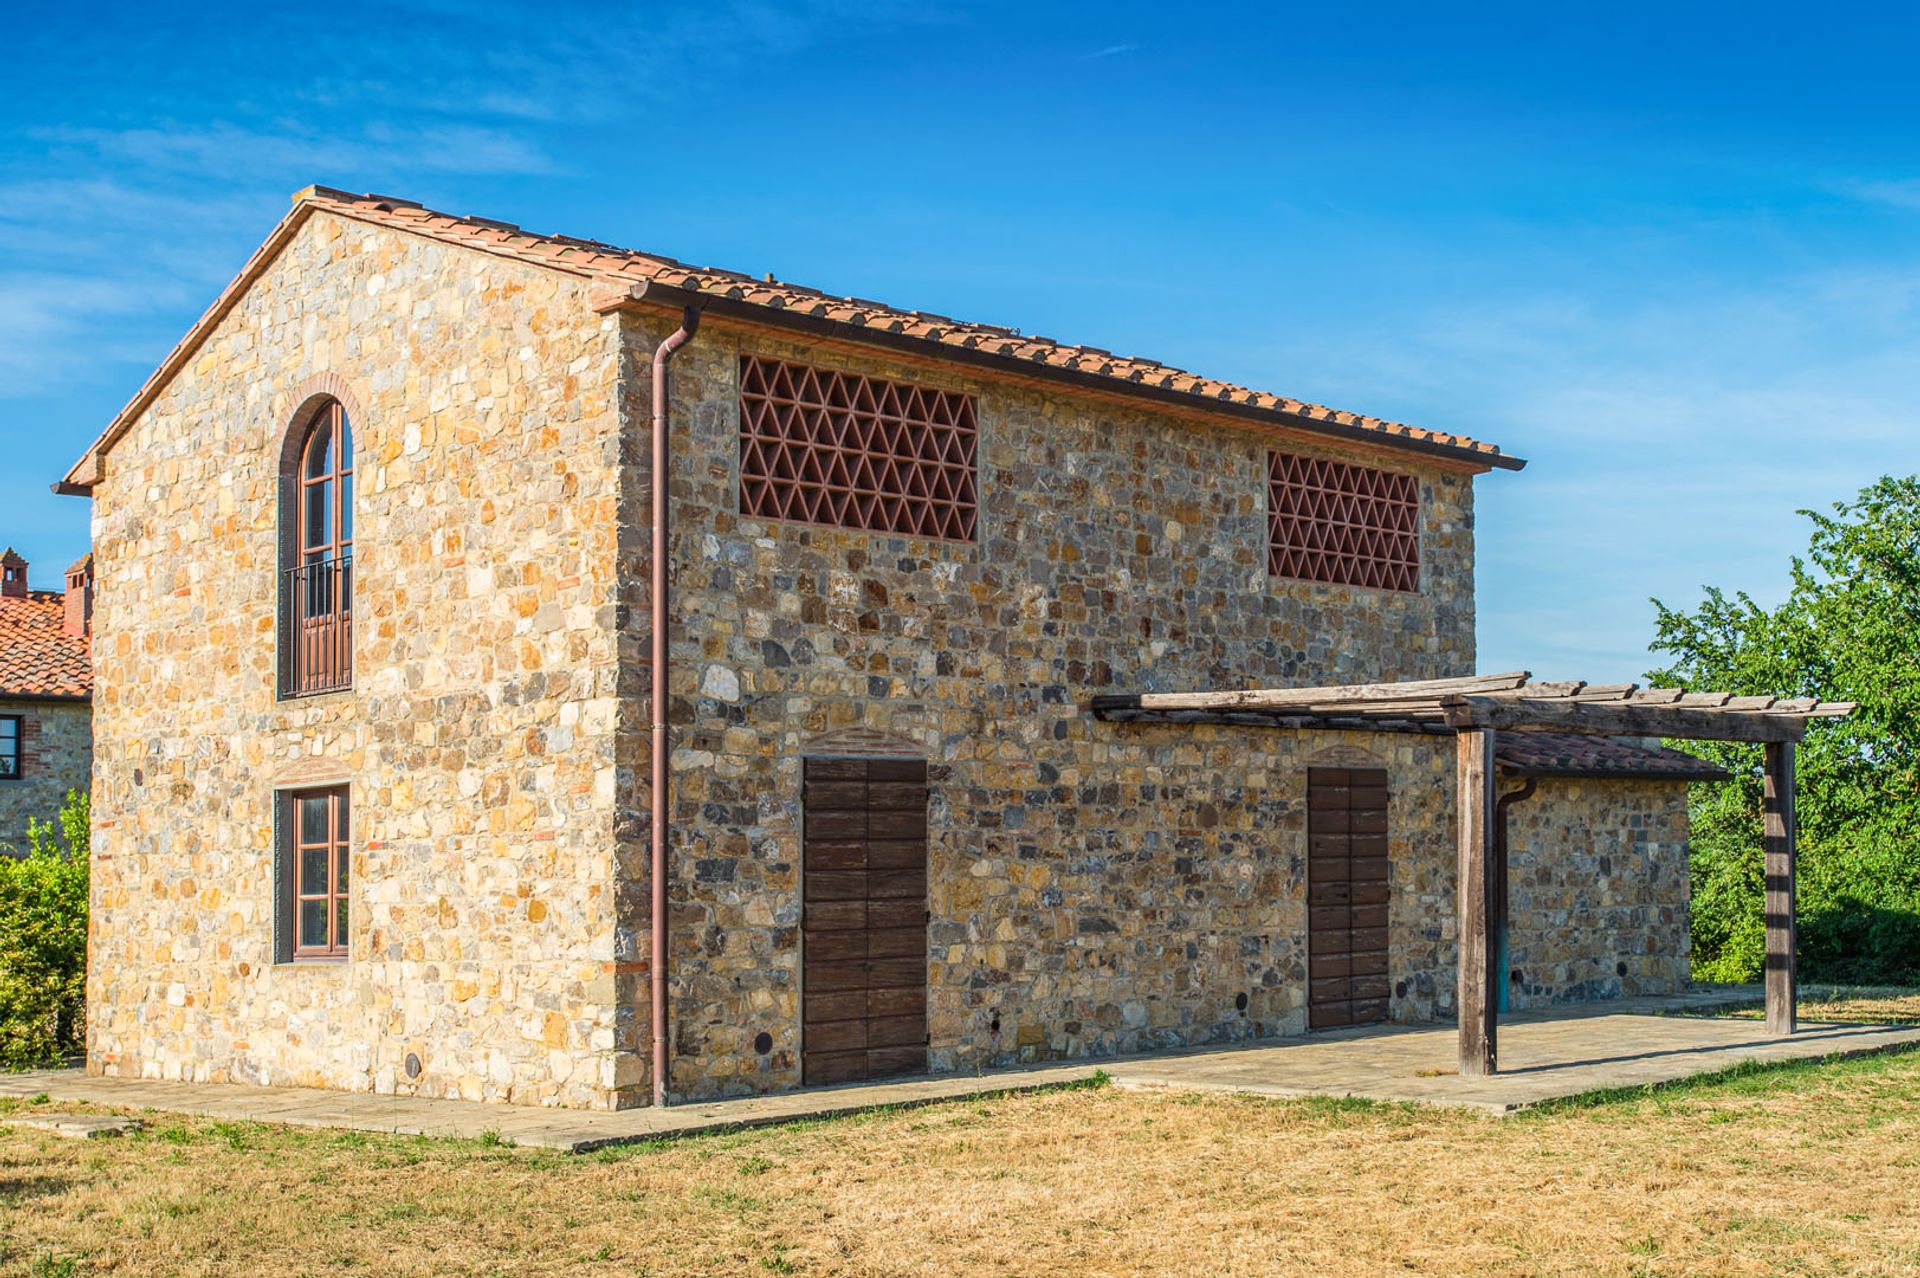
{"type": "Point", "coordinates": [11, 731]}
{"type": "Point", "coordinates": [824, 447]}
{"type": "Point", "coordinates": [313, 846]}
{"type": "Point", "coordinates": [1342, 524]}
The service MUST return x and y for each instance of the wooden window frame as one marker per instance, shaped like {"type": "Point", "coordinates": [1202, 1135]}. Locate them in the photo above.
{"type": "Point", "coordinates": [290, 888]}
{"type": "Point", "coordinates": [19, 755]}
{"type": "Point", "coordinates": [316, 576]}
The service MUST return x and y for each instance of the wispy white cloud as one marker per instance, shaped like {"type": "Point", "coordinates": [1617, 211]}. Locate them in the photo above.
{"type": "Point", "coordinates": [1898, 193]}
{"type": "Point", "coordinates": [1111, 51]}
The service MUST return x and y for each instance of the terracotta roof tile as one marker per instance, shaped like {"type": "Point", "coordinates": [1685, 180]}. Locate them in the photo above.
{"type": "Point", "coordinates": [627, 267]}
{"type": "Point", "coordinates": [495, 236]}
{"type": "Point", "coordinates": [1568, 754]}
{"type": "Point", "coordinates": [37, 657]}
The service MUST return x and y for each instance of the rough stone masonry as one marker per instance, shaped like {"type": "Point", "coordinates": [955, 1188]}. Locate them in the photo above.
{"type": "Point", "coordinates": [1094, 888]}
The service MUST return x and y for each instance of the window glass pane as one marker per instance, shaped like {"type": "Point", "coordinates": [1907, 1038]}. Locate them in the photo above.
{"type": "Point", "coordinates": [340, 883]}
{"type": "Point", "coordinates": [313, 925]}
{"type": "Point", "coordinates": [319, 452]}
{"type": "Point", "coordinates": [346, 441]}
{"type": "Point", "coordinates": [313, 871]}
{"type": "Point", "coordinates": [346, 508]}
{"type": "Point", "coordinates": [313, 819]}
{"type": "Point", "coordinates": [319, 525]}
{"type": "Point", "coordinates": [340, 922]}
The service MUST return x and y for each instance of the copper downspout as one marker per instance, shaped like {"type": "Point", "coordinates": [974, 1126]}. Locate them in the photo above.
{"type": "Point", "coordinates": [1500, 807]}
{"type": "Point", "coordinates": [657, 824]}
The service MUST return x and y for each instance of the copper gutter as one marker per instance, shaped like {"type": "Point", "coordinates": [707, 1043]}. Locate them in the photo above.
{"type": "Point", "coordinates": [662, 809]}
{"type": "Point", "coordinates": [867, 337]}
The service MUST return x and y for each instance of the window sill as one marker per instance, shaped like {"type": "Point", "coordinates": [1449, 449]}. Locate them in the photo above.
{"type": "Point", "coordinates": [315, 695]}
{"type": "Point", "coordinates": [316, 960]}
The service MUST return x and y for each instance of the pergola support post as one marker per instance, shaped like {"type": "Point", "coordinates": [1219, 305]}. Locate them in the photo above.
{"type": "Point", "coordinates": [1780, 837]}
{"type": "Point", "coordinates": [1479, 1010]}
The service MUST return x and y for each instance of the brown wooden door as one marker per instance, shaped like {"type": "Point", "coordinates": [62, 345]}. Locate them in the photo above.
{"type": "Point", "coordinates": [1346, 896]}
{"type": "Point", "coordinates": [863, 982]}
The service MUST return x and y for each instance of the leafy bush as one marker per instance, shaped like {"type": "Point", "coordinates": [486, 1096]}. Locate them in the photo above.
{"type": "Point", "coordinates": [43, 940]}
{"type": "Point", "coordinates": [1849, 630]}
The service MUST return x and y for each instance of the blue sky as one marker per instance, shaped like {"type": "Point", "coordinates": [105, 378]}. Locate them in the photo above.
{"type": "Point", "coordinates": [1670, 254]}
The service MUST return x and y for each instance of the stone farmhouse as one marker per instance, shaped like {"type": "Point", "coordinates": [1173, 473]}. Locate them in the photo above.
{"type": "Point", "coordinates": [46, 682]}
{"type": "Point", "coordinates": [380, 627]}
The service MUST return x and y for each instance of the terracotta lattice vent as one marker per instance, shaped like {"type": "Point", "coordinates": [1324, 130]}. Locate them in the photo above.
{"type": "Point", "coordinates": [825, 447]}
{"type": "Point", "coordinates": [1342, 524]}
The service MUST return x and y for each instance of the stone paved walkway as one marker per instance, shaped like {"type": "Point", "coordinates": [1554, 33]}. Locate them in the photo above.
{"type": "Point", "coordinates": [1543, 1055]}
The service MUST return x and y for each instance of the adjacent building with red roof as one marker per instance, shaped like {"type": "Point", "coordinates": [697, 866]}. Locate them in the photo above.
{"type": "Point", "coordinates": [46, 693]}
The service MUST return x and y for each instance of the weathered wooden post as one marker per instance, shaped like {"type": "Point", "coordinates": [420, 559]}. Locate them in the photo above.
{"type": "Point", "coordinates": [1780, 837]}
{"type": "Point", "coordinates": [1479, 1013]}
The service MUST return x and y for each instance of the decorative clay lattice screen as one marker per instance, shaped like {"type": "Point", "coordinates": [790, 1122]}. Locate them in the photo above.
{"type": "Point", "coordinates": [824, 447]}
{"type": "Point", "coordinates": [1346, 525]}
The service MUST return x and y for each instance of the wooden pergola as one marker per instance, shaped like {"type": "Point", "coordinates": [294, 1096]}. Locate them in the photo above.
{"type": "Point", "coordinates": [1472, 710]}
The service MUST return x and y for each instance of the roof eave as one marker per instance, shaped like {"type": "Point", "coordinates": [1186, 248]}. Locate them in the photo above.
{"type": "Point", "coordinates": [85, 473]}
{"type": "Point", "coordinates": [651, 295]}
{"type": "Point", "coordinates": [1703, 773]}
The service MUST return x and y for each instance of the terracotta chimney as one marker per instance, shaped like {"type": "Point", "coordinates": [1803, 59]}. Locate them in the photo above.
{"type": "Point", "coordinates": [13, 575]}
{"type": "Point", "coordinates": [79, 599]}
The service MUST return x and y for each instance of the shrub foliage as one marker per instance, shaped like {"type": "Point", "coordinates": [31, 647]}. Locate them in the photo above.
{"type": "Point", "coordinates": [1849, 630]}
{"type": "Point", "coordinates": [43, 940]}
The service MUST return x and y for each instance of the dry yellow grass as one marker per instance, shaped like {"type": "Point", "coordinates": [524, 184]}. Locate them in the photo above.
{"type": "Point", "coordinates": [1805, 1170]}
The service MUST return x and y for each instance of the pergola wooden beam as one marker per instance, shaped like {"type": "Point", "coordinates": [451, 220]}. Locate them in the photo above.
{"type": "Point", "coordinates": [1478, 989]}
{"type": "Point", "coordinates": [1477, 707]}
{"type": "Point", "coordinates": [1624, 718]}
{"type": "Point", "coordinates": [1779, 839]}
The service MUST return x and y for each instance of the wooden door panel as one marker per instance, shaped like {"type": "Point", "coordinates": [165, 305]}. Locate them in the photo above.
{"type": "Point", "coordinates": [838, 796]}
{"type": "Point", "coordinates": [832, 824]}
{"type": "Point", "coordinates": [836, 1067]}
{"type": "Point", "coordinates": [888, 824]}
{"type": "Point", "coordinates": [834, 978]}
{"type": "Point", "coordinates": [1347, 896]}
{"type": "Point", "coordinates": [864, 931]}
{"type": "Point", "coordinates": [893, 885]}
{"type": "Point", "coordinates": [896, 854]}
{"type": "Point", "coordinates": [836, 885]}
{"type": "Point", "coordinates": [822, 1006]}
{"type": "Point", "coordinates": [896, 1031]}
{"type": "Point", "coordinates": [836, 916]}
{"type": "Point", "coordinates": [895, 942]}
{"type": "Point", "coordinates": [904, 1001]}
{"type": "Point", "coordinates": [886, 1062]}
{"type": "Point", "coordinates": [826, 854]}
{"type": "Point", "coordinates": [896, 913]}
{"type": "Point", "coordinates": [836, 1036]}
{"type": "Point", "coordinates": [897, 796]}
{"type": "Point", "coordinates": [837, 947]}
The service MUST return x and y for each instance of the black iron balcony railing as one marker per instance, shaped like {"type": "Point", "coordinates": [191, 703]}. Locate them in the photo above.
{"type": "Point", "coordinates": [317, 627]}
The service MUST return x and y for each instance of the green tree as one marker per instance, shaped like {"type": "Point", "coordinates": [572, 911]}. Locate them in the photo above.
{"type": "Point", "coordinates": [43, 940]}
{"type": "Point", "coordinates": [1849, 630]}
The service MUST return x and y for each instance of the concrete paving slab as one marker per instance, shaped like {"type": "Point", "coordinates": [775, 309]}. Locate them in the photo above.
{"type": "Point", "coordinates": [73, 1126]}
{"type": "Point", "coordinates": [1544, 1056]}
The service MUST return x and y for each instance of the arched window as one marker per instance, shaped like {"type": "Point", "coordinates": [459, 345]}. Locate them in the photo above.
{"type": "Point", "coordinates": [316, 553]}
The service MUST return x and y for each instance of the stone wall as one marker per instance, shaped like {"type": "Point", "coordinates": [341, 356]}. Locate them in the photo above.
{"type": "Point", "coordinates": [1095, 888]}
{"type": "Point", "coordinates": [477, 738]}
{"type": "Point", "coordinates": [1598, 890]}
{"type": "Point", "coordinates": [56, 755]}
